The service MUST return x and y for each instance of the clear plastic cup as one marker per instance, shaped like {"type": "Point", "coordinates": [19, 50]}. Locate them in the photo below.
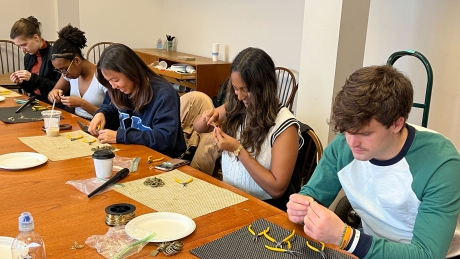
{"type": "Point", "coordinates": [52, 120]}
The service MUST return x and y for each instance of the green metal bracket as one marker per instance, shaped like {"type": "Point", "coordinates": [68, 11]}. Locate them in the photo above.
{"type": "Point", "coordinates": [425, 106]}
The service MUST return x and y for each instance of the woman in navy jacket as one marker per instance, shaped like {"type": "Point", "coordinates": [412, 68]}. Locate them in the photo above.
{"type": "Point", "coordinates": [140, 107]}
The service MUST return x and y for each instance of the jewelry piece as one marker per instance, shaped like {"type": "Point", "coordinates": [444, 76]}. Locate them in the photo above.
{"type": "Point", "coordinates": [154, 182]}
{"type": "Point", "coordinates": [238, 150]}
{"type": "Point", "coordinates": [76, 246]}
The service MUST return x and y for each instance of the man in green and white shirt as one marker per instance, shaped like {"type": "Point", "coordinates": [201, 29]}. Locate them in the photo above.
{"type": "Point", "coordinates": [403, 182]}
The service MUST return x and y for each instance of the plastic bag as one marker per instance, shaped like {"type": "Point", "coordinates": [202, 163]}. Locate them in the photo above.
{"type": "Point", "coordinates": [117, 244]}
{"type": "Point", "coordinates": [87, 186]}
{"type": "Point", "coordinates": [125, 162]}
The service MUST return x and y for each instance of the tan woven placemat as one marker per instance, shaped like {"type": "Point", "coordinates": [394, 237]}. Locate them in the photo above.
{"type": "Point", "coordinates": [196, 199]}
{"type": "Point", "coordinates": [61, 148]}
{"type": "Point", "coordinates": [12, 93]}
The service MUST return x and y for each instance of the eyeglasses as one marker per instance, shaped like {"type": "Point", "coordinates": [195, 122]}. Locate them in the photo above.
{"type": "Point", "coordinates": [64, 72]}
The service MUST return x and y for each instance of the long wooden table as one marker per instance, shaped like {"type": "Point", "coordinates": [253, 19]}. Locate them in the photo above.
{"type": "Point", "coordinates": [64, 215]}
{"type": "Point", "coordinates": [5, 80]}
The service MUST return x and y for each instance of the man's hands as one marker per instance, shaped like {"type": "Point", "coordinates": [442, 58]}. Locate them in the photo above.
{"type": "Point", "coordinates": [320, 223]}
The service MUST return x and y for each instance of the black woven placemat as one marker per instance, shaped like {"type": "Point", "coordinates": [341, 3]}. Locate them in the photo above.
{"type": "Point", "coordinates": [8, 115]}
{"type": "Point", "coordinates": [239, 244]}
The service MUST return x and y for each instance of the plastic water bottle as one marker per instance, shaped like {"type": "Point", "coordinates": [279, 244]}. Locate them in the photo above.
{"type": "Point", "coordinates": [159, 44]}
{"type": "Point", "coordinates": [28, 244]}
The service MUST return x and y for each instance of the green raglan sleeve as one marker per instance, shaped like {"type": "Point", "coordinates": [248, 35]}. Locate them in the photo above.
{"type": "Point", "coordinates": [324, 185]}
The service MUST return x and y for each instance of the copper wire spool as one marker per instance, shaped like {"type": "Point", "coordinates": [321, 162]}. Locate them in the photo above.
{"type": "Point", "coordinates": [119, 214]}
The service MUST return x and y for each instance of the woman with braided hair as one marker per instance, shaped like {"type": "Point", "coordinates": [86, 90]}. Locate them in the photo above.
{"type": "Point", "coordinates": [77, 74]}
{"type": "Point", "coordinates": [38, 76]}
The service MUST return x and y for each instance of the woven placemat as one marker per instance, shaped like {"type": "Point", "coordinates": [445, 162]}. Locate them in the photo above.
{"type": "Point", "coordinates": [239, 244]}
{"type": "Point", "coordinates": [62, 148]}
{"type": "Point", "coordinates": [12, 93]}
{"type": "Point", "coordinates": [197, 198]}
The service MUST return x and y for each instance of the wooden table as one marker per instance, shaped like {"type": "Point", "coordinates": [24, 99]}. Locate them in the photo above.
{"type": "Point", "coordinates": [64, 215]}
{"type": "Point", "coordinates": [5, 80]}
{"type": "Point", "coordinates": [207, 79]}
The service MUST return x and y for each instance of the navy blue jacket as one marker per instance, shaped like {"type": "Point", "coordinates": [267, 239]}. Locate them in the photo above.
{"type": "Point", "coordinates": [157, 126]}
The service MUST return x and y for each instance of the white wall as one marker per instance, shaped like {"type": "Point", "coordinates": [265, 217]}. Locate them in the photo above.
{"type": "Point", "coordinates": [274, 26]}
{"type": "Point", "coordinates": [134, 23]}
{"type": "Point", "coordinates": [430, 27]}
{"type": "Point", "coordinates": [12, 11]}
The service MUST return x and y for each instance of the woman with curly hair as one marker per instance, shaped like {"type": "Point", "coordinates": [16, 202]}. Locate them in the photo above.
{"type": "Point", "coordinates": [77, 74]}
{"type": "Point", "coordinates": [38, 76]}
{"type": "Point", "coordinates": [259, 138]}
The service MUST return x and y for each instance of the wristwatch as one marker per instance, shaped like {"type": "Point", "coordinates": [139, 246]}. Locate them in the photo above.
{"type": "Point", "coordinates": [238, 150]}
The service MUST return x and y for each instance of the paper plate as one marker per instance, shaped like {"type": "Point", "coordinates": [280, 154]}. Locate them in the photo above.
{"type": "Point", "coordinates": [5, 247]}
{"type": "Point", "coordinates": [21, 160]}
{"type": "Point", "coordinates": [168, 226]}
{"type": "Point", "coordinates": [2, 98]}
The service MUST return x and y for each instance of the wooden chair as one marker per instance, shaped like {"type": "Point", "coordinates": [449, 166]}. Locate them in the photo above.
{"type": "Point", "coordinates": [307, 158]}
{"type": "Point", "coordinates": [11, 60]}
{"type": "Point", "coordinates": [95, 51]}
{"type": "Point", "coordinates": [11, 57]}
{"type": "Point", "coordinates": [287, 86]}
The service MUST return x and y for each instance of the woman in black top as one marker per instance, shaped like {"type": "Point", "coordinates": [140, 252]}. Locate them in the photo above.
{"type": "Point", "coordinates": [38, 77]}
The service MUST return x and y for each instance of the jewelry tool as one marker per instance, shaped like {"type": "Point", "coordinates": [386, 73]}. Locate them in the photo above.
{"type": "Point", "coordinates": [83, 126]}
{"type": "Point", "coordinates": [254, 239]}
{"type": "Point", "coordinates": [323, 255]}
{"type": "Point", "coordinates": [282, 250]}
{"type": "Point", "coordinates": [31, 99]}
{"type": "Point", "coordinates": [184, 184]}
{"type": "Point", "coordinates": [117, 177]}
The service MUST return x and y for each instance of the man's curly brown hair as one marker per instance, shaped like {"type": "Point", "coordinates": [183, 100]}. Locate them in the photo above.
{"type": "Point", "coordinates": [376, 92]}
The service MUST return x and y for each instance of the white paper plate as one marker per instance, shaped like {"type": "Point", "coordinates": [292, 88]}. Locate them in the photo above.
{"type": "Point", "coordinates": [168, 226]}
{"type": "Point", "coordinates": [2, 98]}
{"type": "Point", "coordinates": [5, 247]}
{"type": "Point", "coordinates": [21, 160]}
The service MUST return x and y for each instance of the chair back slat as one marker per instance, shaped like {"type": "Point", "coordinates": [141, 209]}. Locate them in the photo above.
{"type": "Point", "coordinates": [287, 86]}
{"type": "Point", "coordinates": [95, 51]}
{"type": "Point", "coordinates": [11, 57]}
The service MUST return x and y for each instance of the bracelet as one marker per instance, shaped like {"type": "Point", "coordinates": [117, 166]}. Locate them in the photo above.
{"type": "Point", "coordinates": [343, 235]}
{"type": "Point", "coordinates": [346, 235]}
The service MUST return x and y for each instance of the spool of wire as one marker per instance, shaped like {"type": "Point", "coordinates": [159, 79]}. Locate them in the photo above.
{"type": "Point", "coordinates": [119, 214]}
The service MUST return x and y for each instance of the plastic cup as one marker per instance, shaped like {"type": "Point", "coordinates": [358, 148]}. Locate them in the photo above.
{"type": "Point", "coordinates": [52, 131]}
{"type": "Point", "coordinates": [103, 163]}
{"type": "Point", "coordinates": [52, 119]}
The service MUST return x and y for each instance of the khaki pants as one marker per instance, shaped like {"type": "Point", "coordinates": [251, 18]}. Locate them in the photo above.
{"type": "Point", "coordinates": [191, 105]}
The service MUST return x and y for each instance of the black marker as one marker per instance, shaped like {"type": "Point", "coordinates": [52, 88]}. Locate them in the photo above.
{"type": "Point", "coordinates": [31, 99]}
{"type": "Point", "coordinates": [117, 177]}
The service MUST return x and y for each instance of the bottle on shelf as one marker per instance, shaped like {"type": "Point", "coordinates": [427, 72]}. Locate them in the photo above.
{"type": "Point", "coordinates": [28, 244]}
{"type": "Point", "coordinates": [159, 44]}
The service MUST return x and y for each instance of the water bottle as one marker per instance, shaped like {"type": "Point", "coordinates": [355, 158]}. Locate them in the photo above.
{"type": "Point", "coordinates": [159, 44]}
{"type": "Point", "coordinates": [28, 244]}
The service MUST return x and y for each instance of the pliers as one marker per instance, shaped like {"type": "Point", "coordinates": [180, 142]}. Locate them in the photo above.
{"type": "Point", "coordinates": [40, 108]}
{"type": "Point", "coordinates": [151, 160]}
{"type": "Point", "coordinates": [282, 250]}
{"type": "Point", "coordinates": [74, 138]}
{"type": "Point", "coordinates": [183, 183]}
{"type": "Point", "coordinates": [89, 141]}
{"type": "Point", "coordinates": [323, 255]}
{"type": "Point", "coordinates": [254, 239]}
{"type": "Point", "coordinates": [280, 244]}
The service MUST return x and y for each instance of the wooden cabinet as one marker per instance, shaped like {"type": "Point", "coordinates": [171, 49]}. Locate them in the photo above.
{"type": "Point", "coordinates": [207, 79]}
